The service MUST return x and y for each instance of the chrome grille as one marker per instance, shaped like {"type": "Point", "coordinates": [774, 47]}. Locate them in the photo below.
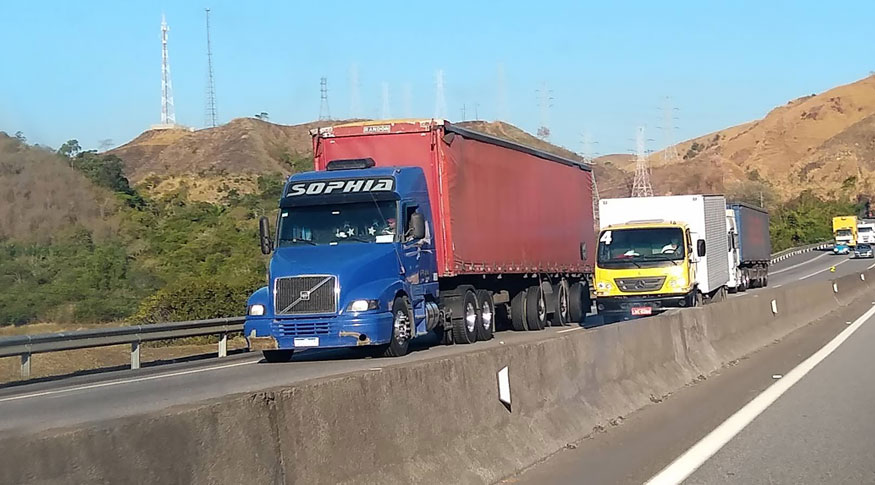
{"type": "Point", "coordinates": [633, 285]}
{"type": "Point", "coordinates": [293, 328]}
{"type": "Point", "coordinates": [305, 295]}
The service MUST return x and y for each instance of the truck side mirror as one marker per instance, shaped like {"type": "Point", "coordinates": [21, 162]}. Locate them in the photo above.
{"type": "Point", "coordinates": [417, 225]}
{"type": "Point", "coordinates": [264, 235]}
{"type": "Point", "coordinates": [700, 248]}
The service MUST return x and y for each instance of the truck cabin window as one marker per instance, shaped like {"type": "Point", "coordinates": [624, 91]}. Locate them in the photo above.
{"type": "Point", "coordinates": [357, 222]}
{"type": "Point", "coordinates": [636, 246]}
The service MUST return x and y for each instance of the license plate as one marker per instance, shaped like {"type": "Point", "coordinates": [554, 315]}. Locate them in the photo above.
{"type": "Point", "coordinates": [307, 342]}
{"type": "Point", "coordinates": [642, 310]}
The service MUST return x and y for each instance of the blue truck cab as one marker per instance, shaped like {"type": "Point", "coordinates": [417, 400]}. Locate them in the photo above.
{"type": "Point", "coordinates": [352, 263]}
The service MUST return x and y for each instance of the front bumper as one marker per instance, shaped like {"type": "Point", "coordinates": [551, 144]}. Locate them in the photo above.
{"type": "Point", "coordinates": [658, 303]}
{"type": "Point", "coordinates": [352, 330]}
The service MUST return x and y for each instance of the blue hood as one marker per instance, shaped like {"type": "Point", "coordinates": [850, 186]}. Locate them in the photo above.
{"type": "Point", "coordinates": [354, 264]}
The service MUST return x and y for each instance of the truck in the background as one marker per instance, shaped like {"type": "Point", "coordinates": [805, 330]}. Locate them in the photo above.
{"type": "Point", "coordinates": [657, 253]}
{"type": "Point", "coordinates": [749, 246]}
{"type": "Point", "coordinates": [844, 230]}
{"type": "Point", "coordinates": [407, 227]}
{"type": "Point", "coordinates": [865, 232]}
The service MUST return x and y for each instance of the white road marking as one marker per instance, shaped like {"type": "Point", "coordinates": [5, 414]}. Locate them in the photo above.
{"type": "Point", "coordinates": [772, 273]}
{"type": "Point", "coordinates": [777, 286]}
{"type": "Point", "coordinates": [124, 381]}
{"type": "Point", "coordinates": [824, 269]}
{"type": "Point", "coordinates": [684, 466]}
{"type": "Point", "coordinates": [871, 266]}
{"type": "Point", "coordinates": [569, 330]}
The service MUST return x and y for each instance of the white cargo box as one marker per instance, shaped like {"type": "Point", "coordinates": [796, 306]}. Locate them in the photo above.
{"type": "Point", "coordinates": [704, 214]}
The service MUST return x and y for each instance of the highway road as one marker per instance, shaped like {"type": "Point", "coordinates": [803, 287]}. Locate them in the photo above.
{"type": "Point", "coordinates": [83, 399]}
{"type": "Point", "coordinates": [820, 430]}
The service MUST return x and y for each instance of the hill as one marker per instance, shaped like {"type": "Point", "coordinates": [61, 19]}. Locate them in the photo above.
{"type": "Point", "coordinates": [822, 143]}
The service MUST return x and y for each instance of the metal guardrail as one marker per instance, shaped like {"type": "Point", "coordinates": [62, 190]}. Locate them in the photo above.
{"type": "Point", "coordinates": [27, 345]}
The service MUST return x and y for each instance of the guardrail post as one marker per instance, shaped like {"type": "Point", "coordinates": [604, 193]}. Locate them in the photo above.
{"type": "Point", "coordinates": [135, 355]}
{"type": "Point", "coordinates": [25, 366]}
{"type": "Point", "coordinates": [223, 345]}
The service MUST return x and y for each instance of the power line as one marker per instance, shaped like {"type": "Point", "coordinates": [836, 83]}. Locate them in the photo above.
{"type": "Point", "coordinates": [670, 153]}
{"type": "Point", "coordinates": [211, 117]}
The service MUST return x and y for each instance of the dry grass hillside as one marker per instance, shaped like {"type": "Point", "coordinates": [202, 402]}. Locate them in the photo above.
{"type": "Point", "coordinates": [821, 142]}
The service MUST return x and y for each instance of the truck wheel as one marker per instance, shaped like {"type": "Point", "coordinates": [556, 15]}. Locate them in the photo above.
{"type": "Point", "coordinates": [536, 308]}
{"type": "Point", "coordinates": [697, 298]}
{"type": "Point", "coordinates": [742, 283]}
{"type": "Point", "coordinates": [465, 328]}
{"type": "Point", "coordinates": [562, 312]}
{"type": "Point", "coordinates": [578, 302]}
{"type": "Point", "coordinates": [487, 315]}
{"type": "Point", "coordinates": [402, 324]}
{"type": "Point", "coordinates": [518, 312]}
{"type": "Point", "coordinates": [283, 355]}
{"type": "Point", "coordinates": [766, 280]}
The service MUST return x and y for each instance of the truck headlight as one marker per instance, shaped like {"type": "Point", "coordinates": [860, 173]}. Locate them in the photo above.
{"type": "Point", "coordinates": [256, 310]}
{"type": "Point", "coordinates": [604, 285]}
{"type": "Point", "coordinates": [678, 282]}
{"type": "Point", "coordinates": [363, 305]}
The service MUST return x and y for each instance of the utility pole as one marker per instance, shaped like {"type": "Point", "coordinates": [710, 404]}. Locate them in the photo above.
{"type": "Point", "coordinates": [641, 186]}
{"type": "Point", "coordinates": [324, 110]}
{"type": "Point", "coordinates": [669, 118]}
{"type": "Point", "coordinates": [211, 117]}
{"type": "Point", "coordinates": [463, 112]}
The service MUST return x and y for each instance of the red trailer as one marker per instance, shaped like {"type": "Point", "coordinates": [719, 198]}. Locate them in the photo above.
{"type": "Point", "coordinates": [507, 217]}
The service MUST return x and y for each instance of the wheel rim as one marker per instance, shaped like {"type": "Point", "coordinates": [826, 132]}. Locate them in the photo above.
{"type": "Point", "coordinates": [402, 327]}
{"type": "Point", "coordinates": [486, 315]}
{"type": "Point", "coordinates": [563, 304]}
{"type": "Point", "coordinates": [470, 316]}
{"type": "Point", "coordinates": [542, 307]}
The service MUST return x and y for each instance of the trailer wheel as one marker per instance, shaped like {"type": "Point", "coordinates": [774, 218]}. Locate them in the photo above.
{"type": "Point", "coordinates": [578, 302]}
{"type": "Point", "coordinates": [536, 308]}
{"type": "Point", "coordinates": [742, 284]}
{"type": "Point", "coordinates": [273, 356]}
{"type": "Point", "coordinates": [487, 315]}
{"type": "Point", "coordinates": [466, 323]}
{"type": "Point", "coordinates": [518, 312]}
{"type": "Point", "coordinates": [766, 280]}
{"type": "Point", "coordinates": [402, 328]}
{"type": "Point", "coordinates": [562, 312]}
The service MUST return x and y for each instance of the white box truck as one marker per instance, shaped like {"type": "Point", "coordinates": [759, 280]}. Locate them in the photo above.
{"type": "Point", "coordinates": [656, 253]}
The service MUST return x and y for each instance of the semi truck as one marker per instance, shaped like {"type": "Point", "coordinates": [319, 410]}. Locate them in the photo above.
{"type": "Point", "coordinates": [408, 227]}
{"type": "Point", "coordinates": [866, 232]}
{"type": "Point", "coordinates": [657, 253]}
{"type": "Point", "coordinates": [750, 247]}
{"type": "Point", "coordinates": [844, 230]}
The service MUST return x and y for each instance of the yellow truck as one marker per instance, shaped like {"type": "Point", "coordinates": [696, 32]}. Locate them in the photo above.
{"type": "Point", "coordinates": [844, 230]}
{"type": "Point", "coordinates": [656, 253]}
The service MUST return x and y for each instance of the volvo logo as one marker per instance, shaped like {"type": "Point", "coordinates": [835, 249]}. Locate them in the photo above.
{"type": "Point", "coordinates": [305, 296]}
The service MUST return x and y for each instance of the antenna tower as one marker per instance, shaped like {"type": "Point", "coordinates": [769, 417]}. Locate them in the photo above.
{"type": "Point", "coordinates": [545, 102]}
{"type": "Point", "coordinates": [324, 112]}
{"type": "Point", "coordinates": [210, 116]}
{"type": "Point", "coordinates": [669, 118]}
{"type": "Point", "coordinates": [387, 112]}
{"type": "Point", "coordinates": [407, 98]}
{"type": "Point", "coordinates": [354, 103]}
{"type": "Point", "coordinates": [641, 185]}
{"type": "Point", "coordinates": [168, 114]}
{"type": "Point", "coordinates": [440, 104]}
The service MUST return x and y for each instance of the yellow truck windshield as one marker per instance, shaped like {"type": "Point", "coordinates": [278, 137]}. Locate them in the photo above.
{"type": "Point", "coordinates": [617, 246]}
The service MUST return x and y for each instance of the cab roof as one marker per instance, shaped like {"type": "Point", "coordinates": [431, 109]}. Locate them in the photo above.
{"type": "Point", "coordinates": [645, 224]}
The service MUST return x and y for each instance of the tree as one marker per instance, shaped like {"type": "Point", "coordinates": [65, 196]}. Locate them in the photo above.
{"type": "Point", "coordinates": [20, 137]}
{"type": "Point", "coordinates": [70, 149]}
{"type": "Point", "coordinates": [263, 116]}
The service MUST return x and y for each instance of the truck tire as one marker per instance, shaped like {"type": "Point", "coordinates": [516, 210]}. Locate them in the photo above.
{"type": "Point", "coordinates": [578, 302]}
{"type": "Point", "coordinates": [536, 308]}
{"type": "Point", "coordinates": [518, 312]}
{"type": "Point", "coordinates": [486, 328]}
{"type": "Point", "coordinates": [742, 283]}
{"type": "Point", "coordinates": [402, 328]}
{"type": "Point", "coordinates": [562, 312]}
{"type": "Point", "coordinates": [273, 356]}
{"type": "Point", "coordinates": [466, 322]}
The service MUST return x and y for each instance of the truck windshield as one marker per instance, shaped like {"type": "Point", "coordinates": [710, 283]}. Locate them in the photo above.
{"type": "Point", "coordinates": [843, 232]}
{"type": "Point", "coordinates": [638, 246]}
{"type": "Point", "coordinates": [864, 229]}
{"type": "Point", "coordinates": [357, 222]}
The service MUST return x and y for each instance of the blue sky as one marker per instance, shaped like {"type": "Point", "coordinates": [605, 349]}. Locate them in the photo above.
{"type": "Point", "coordinates": [91, 69]}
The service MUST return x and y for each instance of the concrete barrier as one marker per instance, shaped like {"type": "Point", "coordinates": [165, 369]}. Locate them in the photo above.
{"type": "Point", "coordinates": [432, 421]}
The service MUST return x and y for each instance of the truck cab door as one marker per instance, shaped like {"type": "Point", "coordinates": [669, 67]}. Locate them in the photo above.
{"type": "Point", "coordinates": [417, 255]}
{"type": "Point", "coordinates": [693, 258]}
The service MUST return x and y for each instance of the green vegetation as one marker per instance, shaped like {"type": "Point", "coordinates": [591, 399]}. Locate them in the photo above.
{"type": "Point", "coordinates": [806, 219]}
{"type": "Point", "coordinates": [117, 255]}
